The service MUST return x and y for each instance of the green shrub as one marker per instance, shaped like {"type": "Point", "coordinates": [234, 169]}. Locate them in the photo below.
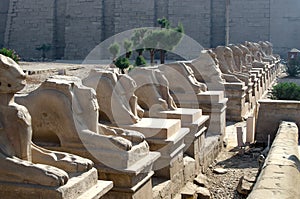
{"type": "Point", "coordinates": [286, 91]}
{"type": "Point", "coordinates": [122, 63]}
{"type": "Point", "coordinates": [140, 61]}
{"type": "Point", "coordinates": [293, 67]}
{"type": "Point", "coordinates": [10, 53]}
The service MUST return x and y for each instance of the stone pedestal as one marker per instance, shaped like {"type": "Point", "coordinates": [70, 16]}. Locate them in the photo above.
{"type": "Point", "coordinates": [212, 103]}
{"type": "Point", "coordinates": [80, 185]}
{"type": "Point", "coordinates": [236, 106]}
{"type": "Point", "coordinates": [195, 121]}
{"type": "Point", "coordinates": [259, 73]}
{"type": "Point", "coordinates": [167, 137]}
{"type": "Point", "coordinates": [249, 94]}
{"type": "Point", "coordinates": [255, 88]}
{"type": "Point", "coordinates": [250, 130]}
{"type": "Point", "coordinates": [131, 178]}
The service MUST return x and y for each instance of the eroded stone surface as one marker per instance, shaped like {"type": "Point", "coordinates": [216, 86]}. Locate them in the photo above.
{"type": "Point", "coordinates": [23, 162]}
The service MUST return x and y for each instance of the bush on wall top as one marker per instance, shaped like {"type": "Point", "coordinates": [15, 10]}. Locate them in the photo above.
{"type": "Point", "coordinates": [286, 91]}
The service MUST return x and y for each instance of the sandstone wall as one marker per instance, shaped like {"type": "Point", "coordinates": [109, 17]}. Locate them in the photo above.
{"type": "Point", "coordinates": [271, 113]}
{"type": "Point", "coordinates": [73, 28]}
{"type": "Point", "coordinates": [195, 17]}
{"type": "Point", "coordinates": [4, 5]}
{"type": "Point", "coordinates": [285, 25]}
{"type": "Point", "coordinates": [84, 26]}
{"type": "Point", "coordinates": [30, 23]}
{"type": "Point", "coordinates": [249, 20]}
{"type": "Point", "coordinates": [218, 23]}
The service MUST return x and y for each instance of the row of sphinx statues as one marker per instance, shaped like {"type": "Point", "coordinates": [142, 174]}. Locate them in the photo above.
{"type": "Point", "coordinates": [41, 130]}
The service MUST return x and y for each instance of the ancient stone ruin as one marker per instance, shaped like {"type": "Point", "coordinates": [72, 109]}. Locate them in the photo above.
{"type": "Point", "coordinates": [150, 133]}
{"type": "Point", "coordinates": [30, 171]}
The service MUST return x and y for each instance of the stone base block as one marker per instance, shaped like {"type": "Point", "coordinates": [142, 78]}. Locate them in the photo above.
{"type": "Point", "coordinates": [161, 188]}
{"type": "Point", "coordinates": [174, 173]}
{"type": "Point", "coordinates": [144, 191]}
{"type": "Point", "coordinates": [81, 185]}
{"type": "Point", "coordinates": [213, 146]}
{"type": "Point", "coordinates": [155, 128]}
{"type": "Point", "coordinates": [189, 171]}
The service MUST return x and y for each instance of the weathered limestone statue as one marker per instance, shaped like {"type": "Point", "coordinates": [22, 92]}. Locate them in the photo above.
{"type": "Point", "coordinates": [246, 57]}
{"type": "Point", "coordinates": [238, 54]}
{"type": "Point", "coordinates": [21, 161]}
{"type": "Point", "coordinates": [266, 49]}
{"type": "Point", "coordinates": [226, 61]}
{"type": "Point", "coordinates": [181, 73]}
{"type": "Point", "coordinates": [69, 122]}
{"type": "Point", "coordinates": [117, 101]}
{"type": "Point", "coordinates": [152, 91]}
{"type": "Point", "coordinates": [257, 56]}
{"type": "Point", "coordinates": [75, 106]}
{"type": "Point", "coordinates": [225, 76]}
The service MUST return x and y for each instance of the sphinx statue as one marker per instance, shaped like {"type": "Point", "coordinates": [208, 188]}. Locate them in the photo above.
{"type": "Point", "coordinates": [246, 57]}
{"type": "Point", "coordinates": [117, 100]}
{"type": "Point", "coordinates": [152, 90]}
{"type": "Point", "coordinates": [239, 58]}
{"type": "Point", "coordinates": [257, 60]}
{"type": "Point", "coordinates": [266, 49]}
{"type": "Point", "coordinates": [227, 65]}
{"type": "Point", "coordinates": [76, 106]}
{"type": "Point", "coordinates": [21, 161]}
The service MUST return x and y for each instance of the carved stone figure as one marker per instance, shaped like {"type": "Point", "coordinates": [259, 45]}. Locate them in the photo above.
{"type": "Point", "coordinates": [75, 106]}
{"type": "Point", "coordinates": [238, 57]}
{"type": "Point", "coordinates": [117, 101]}
{"type": "Point", "coordinates": [246, 57]}
{"type": "Point", "coordinates": [21, 161]}
{"type": "Point", "coordinates": [225, 57]}
{"type": "Point", "coordinates": [152, 90]}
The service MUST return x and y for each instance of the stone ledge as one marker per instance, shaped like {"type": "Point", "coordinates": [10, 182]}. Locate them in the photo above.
{"type": "Point", "coordinates": [280, 174]}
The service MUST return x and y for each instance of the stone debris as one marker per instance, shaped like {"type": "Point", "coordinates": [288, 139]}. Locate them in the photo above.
{"type": "Point", "coordinates": [203, 193]}
{"type": "Point", "coordinates": [189, 168]}
{"type": "Point", "coordinates": [201, 180]}
{"type": "Point", "coordinates": [189, 191]}
{"type": "Point", "coordinates": [220, 171]}
{"type": "Point", "coordinates": [245, 185]}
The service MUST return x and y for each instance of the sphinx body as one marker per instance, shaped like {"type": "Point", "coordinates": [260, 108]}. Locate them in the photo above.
{"type": "Point", "coordinates": [74, 114]}
{"type": "Point", "coordinates": [152, 90]}
{"type": "Point", "coordinates": [21, 161]}
{"type": "Point", "coordinates": [226, 63]}
{"type": "Point", "coordinates": [116, 98]}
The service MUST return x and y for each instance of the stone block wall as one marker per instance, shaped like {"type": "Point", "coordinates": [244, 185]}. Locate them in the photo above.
{"type": "Point", "coordinates": [285, 25]}
{"type": "Point", "coordinates": [59, 30]}
{"type": "Point", "coordinates": [249, 20]}
{"type": "Point", "coordinates": [83, 30]}
{"type": "Point", "coordinates": [73, 28]}
{"type": "Point", "coordinates": [218, 22]}
{"type": "Point", "coordinates": [271, 113]}
{"type": "Point", "coordinates": [133, 14]}
{"type": "Point", "coordinates": [195, 17]}
{"type": "Point", "coordinates": [4, 5]}
{"type": "Point", "coordinates": [30, 24]}
{"type": "Point", "coordinates": [279, 176]}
